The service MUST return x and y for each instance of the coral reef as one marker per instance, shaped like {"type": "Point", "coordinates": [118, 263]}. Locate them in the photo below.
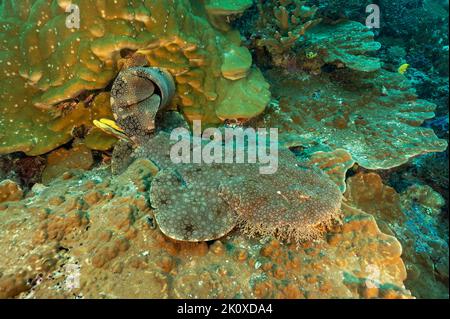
{"type": "Point", "coordinates": [345, 44]}
{"type": "Point", "coordinates": [45, 64]}
{"type": "Point", "coordinates": [374, 116]}
{"type": "Point", "coordinates": [411, 217]}
{"type": "Point", "coordinates": [279, 27]}
{"type": "Point", "coordinates": [93, 206]}
{"type": "Point", "coordinates": [94, 236]}
{"type": "Point", "coordinates": [62, 160]}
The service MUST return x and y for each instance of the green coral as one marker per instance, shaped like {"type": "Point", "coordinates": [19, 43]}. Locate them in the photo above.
{"type": "Point", "coordinates": [281, 25]}
{"type": "Point", "coordinates": [375, 116]}
{"type": "Point", "coordinates": [220, 12]}
{"type": "Point", "coordinates": [344, 44]}
{"type": "Point", "coordinates": [45, 65]}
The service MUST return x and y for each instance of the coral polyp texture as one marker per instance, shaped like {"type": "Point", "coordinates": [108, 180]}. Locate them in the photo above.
{"type": "Point", "coordinates": [413, 217]}
{"type": "Point", "coordinates": [104, 229]}
{"type": "Point", "coordinates": [374, 116]}
{"type": "Point", "coordinates": [45, 63]}
{"type": "Point", "coordinates": [332, 183]}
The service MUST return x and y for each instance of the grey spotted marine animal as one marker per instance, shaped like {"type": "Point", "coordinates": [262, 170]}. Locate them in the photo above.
{"type": "Point", "coordinates": [202, 202]}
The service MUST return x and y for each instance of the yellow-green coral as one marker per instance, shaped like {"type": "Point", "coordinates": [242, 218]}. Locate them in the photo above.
{"type": "Point", "coordinates": [237, 63]}
{"type": "Point", "coordinates": [44, 63]}
{"type": "Point", "coordinates": [221, 11]}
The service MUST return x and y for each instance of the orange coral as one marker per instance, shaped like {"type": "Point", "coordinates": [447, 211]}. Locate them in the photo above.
{"type": "Point", "coordinates": [103, 228]}
{"type": "Point", "coordinates": [425, 252]}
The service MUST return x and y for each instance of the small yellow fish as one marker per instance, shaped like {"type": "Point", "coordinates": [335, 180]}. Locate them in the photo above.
{"type": "Point", "coordinates": [403, 68]}
{"type": "Point", "coordinates": [110, 127]}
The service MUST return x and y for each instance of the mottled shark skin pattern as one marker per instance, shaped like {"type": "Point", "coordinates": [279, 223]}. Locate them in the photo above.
{"type": "Point", "coordinates": [203, 202]}
{"type": "Point", "coordinates": [137, 95]}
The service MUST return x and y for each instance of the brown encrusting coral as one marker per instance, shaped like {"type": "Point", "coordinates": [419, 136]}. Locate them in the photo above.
{"type": "Point", "coordinates": [413, 217]}
{"type": "Point", "coordinates": [94, 236]}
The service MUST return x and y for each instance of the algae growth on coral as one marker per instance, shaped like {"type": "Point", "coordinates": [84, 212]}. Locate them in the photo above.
{"type": "Point", "coordinates": [358, 204]}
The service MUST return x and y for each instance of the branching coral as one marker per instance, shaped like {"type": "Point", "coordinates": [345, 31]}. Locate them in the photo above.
{"type": "Point", "coordinates": [281, 24]}
{"type": "Point", "coordinates": [45, 63]}
{"type": "Point", "coordinates": [296, 39]}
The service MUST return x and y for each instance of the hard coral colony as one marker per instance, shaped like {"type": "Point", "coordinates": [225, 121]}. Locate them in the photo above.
{"type": "Point", "coordinates": [91, 93]}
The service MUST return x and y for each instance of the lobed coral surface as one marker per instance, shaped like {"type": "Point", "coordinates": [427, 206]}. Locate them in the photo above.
{"type": "Point", "coordinates": [82, 221]}
{"type": "Point", "coordinates": [45, 63]}
{"type": "Point", "coordinates": [103, 228]}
